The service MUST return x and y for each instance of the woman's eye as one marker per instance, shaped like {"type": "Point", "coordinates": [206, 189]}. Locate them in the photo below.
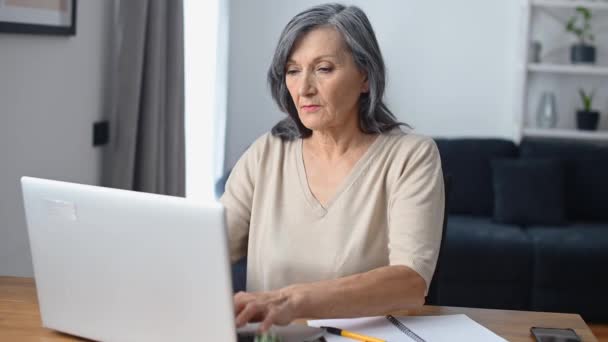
{"type": "Point", "coordinates": [292, 72]}
{"type": "Point", "coordinates": [324, 69]}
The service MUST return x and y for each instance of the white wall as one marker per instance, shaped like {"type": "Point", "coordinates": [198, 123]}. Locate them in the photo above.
{"type": "Point", "coordinates": [51, 92]}
{"type": "Point", "coordinates": [451, 64]}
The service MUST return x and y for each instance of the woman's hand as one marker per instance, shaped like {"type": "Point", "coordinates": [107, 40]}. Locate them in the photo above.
{"type": "Point", "coordinates": [374, 293]}
{"type": "Point", "coordinates": [273, 307]}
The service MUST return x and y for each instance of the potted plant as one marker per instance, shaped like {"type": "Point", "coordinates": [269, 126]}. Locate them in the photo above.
{"type": "Point", "coordinates": [587, 118]}
{"type": "Point", "coordinates": [580, 25]}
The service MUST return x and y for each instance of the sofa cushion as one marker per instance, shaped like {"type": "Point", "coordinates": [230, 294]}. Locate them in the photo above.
{"type": "Point", "coordinates": [467, 161]}
{"type": "Point", "coordinates": [485, 264]}
{"type": "Point", "coordinates": [528, 191]}
{"type": "Point", "coordinates": [586, 167]}
{"type": "Point", "coordinates": [569, 269]}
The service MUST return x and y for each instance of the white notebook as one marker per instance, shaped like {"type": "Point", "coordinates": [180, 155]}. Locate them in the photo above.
{"type": "Point", "coordinates": [417, 328]}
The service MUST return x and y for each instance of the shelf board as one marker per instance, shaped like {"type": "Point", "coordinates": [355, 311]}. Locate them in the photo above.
{"type": "Point", "coordinates": [598, 5]}
{"type": "Point", "coordinates": [569, 69]}
{"type": "Point", "coordinates": [566, 133]}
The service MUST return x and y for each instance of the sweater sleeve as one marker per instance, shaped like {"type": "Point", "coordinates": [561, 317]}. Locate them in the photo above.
{"type": "Point", "coordinates": [238, 200]}
{"type": "Point", "coordinates": [415, 216]}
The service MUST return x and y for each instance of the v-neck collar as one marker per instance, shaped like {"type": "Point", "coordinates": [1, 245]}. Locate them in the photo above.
{"type": "Point", "coordinates": [355, 172]}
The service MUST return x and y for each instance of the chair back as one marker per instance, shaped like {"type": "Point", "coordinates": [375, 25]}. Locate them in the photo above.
{"type": "Point", "coordinates": [434, 295]}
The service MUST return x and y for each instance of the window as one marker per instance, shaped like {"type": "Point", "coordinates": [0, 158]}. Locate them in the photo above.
{"type": "Point", "coordinates": [206, 62]}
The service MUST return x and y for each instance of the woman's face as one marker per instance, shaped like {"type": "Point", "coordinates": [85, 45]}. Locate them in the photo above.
{"type": "Point", "coordinates": [323, 80]}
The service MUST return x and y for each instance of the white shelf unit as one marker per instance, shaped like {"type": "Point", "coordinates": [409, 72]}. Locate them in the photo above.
{"type": "Point", "coordinates": [568, 69]}
{"type": "Point", "coordinates": [566, 133]}
{"type": "Point", "coordinates": [597, 4]}
{"type": "Point", "coordinates": [541, 21]}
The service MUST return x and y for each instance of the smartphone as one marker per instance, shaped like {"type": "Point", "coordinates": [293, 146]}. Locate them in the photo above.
{"type": "Point", "coordinates": [554, 335]}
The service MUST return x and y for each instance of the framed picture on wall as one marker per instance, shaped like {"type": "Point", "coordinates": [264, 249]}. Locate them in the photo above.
{"type": "Point", "coordinates": [56, 17]}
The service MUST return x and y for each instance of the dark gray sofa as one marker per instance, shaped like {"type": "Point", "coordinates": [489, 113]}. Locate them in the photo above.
{"type": "Point", "coordinates": [560, 268]}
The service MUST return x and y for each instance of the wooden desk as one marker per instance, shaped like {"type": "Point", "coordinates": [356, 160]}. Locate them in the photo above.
{"type": "Point", "coordinates": [20, 319]}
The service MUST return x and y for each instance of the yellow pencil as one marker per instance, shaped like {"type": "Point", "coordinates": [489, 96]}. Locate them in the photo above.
{"type": "Point", "coordinates": [350, 334]}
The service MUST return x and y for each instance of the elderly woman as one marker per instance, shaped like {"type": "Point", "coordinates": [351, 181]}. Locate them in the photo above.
{"type": "Point", "coordinates": [338, 210]}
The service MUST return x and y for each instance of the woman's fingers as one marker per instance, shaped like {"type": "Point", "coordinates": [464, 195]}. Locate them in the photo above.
{"type": "Point", "coordinates": [276, 315]}
{"type": "Point", "coordinates": [240, 301]}
{"type": "Point", "coordinates": [267, 308]}
{"type": "Point", "coordinates": [251, 310]}
{"type": "Point", "coordinates": [269, 320]}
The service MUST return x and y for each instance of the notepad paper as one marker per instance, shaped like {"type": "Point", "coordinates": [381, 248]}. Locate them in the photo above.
{"type": "Point", "coordinates": [430, 328]}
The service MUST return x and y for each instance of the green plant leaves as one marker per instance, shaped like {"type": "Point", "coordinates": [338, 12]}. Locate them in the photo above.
{"type": "Point", "coordinates": [581, 30]}
{"type": "Point", "coordinates": [587, 99]}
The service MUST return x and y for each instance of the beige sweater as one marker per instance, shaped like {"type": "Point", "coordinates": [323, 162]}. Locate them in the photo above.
{"type": "Point", "coordinates": [388, 211]}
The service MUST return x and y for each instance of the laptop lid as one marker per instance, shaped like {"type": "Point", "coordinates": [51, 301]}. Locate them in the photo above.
{"type": "Point", "coordinates": [118, 265]}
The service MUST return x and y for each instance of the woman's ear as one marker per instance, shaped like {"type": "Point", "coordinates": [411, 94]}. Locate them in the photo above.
{"type": "Point", "coordinates": [365, 86]}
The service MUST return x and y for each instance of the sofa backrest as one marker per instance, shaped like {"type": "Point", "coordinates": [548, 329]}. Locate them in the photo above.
{"type": "Point", "coordinates": [467, 161]}
{"type": "Point", "coordinates": [586, 173]}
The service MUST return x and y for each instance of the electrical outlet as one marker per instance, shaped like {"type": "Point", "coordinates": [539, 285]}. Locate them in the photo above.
{"type": "Point", "coordinates": [101, 133]}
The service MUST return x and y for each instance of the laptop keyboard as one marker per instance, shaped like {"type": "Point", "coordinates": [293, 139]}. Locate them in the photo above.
{"type": "Point", "coordinates": [241, 337]}
{"type": "Point", "coordinates": [245, 337]}
{"type": "Point", "coordinates": [252, 338]}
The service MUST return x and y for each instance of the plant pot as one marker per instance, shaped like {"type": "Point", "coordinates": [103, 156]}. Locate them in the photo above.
{"type": "Point", "coordinates": [587, 120]}
{"type": "Point", "coordinates": [582, 53]}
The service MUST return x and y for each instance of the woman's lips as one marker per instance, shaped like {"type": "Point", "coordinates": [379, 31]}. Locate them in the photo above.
{"type": "Point", "coordinates": [311, 109]}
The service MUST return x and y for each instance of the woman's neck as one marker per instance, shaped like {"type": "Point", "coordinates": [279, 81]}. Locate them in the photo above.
{"type": "Point", "coordinates": [335, 144]}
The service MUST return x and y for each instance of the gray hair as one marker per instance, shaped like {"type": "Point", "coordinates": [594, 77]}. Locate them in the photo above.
{"type": "Point", "coordinates": [356, 30]}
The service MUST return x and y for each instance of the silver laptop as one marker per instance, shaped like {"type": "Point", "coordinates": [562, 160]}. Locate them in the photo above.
{"type": "Point", "coordinates": [118, 265]}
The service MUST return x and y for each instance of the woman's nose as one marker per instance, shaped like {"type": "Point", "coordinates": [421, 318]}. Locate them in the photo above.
{"type": "Point", "coordinates": [306, 86]}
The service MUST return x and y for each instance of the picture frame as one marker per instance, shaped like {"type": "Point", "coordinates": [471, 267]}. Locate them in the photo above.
{"type": "Point", "coordinates": [48, 17]}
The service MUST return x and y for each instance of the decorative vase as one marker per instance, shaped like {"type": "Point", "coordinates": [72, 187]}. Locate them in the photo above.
{"type": "Point", "coordinates": [582, 54]}
{"type": "Point", "coordinates": [546, 115]}
{"type": "Point", "coordinates": [587, 120]}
